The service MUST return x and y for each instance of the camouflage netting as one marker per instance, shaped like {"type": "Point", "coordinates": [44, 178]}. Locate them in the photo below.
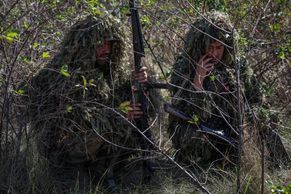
{"type": "Point", "coordinates": [73, 99]}
{"type": "Point", "coordinates": [216, 106]}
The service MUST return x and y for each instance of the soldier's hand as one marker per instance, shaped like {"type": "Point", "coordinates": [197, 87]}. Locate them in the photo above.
{"type": "Point", "coordinates": [204, 66]}
{"type": "Point", "coordinates": [135, 112]}
{"type": "Point", "coordinates": [203, 69]}
{"type": "Point", "coordinates": [142, 75]}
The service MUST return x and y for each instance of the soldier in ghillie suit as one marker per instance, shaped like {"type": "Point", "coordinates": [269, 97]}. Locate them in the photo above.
{"type": "Point", "coordinates": [204, 76]}
{"type": "Point", "coordinates": [74, 103]}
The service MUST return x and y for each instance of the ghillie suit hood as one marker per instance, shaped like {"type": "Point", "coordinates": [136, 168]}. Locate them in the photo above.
{"type": "Point", "coordinates": [214, 27]}
{"type": "Point", "coordinates": [214, 107]}
{"type": "Point", "coordinates": [83, 40]}
{"type": "Point", "coordinates": [73, 99]}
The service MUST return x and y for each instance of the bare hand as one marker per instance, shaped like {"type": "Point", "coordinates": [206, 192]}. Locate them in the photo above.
{"type": "Point", "coordinates": [142, 75]}
{"type": "Point", "coordinates": [203, 69]}
{"type": "Point", "coordinates": [204, 66]}
{"type": "Point", "coordinates": [135, 112]}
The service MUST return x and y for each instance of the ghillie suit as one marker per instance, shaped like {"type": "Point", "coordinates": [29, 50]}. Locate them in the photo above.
{"type": "Point", "coordinates": [74, 101]}
{"type": "Point", "coordinates": [216, 106]}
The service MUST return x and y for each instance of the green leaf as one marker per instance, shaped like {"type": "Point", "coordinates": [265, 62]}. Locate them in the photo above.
{"type": "Point", "coordinates": [124, 10]}
{"type": "Point", "coordinates": [11, 36]}
{"type": "Point", "coordinates": [125, 107]}
{"type": "Point", "coordinates": [20, 92]}
{"type": "Point", "coordinates": [248, 184]}
{"type": "Point", "coordinates": [100, 76]}
{"type": "Point", "coordinates": [84, 82]}
{"type": "Point", "coordinates": [167, 98]}
{"type": "Point", "coordinates": [167, 73]}
{"type": "Point", "coordinates": [279, 189]}
{"type": "Point", "coordinates": [58, 33]}
{"type": "Point", "coordinates": [35, 45]}
{"type": "Point", "coordinates": [283, 51]}
{"type": "Point", "coordinates": [212, 77]}
{"type": "Point", "coordinates": [25, 25]}
{"type": "Point", "coordinates": [25, 59]}
{"type": "Point", "coordinates": [60, 17]}
{"type": "Point", "coordinates": [64, 71]}
{"type": "Point", "coordinates": [45, 55]}
{"type": "Point", "coordinates": [282, 55]}
{"type": "Point", "coordinates": [145, 20]}
{"type": "Point", "coordinates": [69, 108]}
{"type": "Point", "coordinates": [194, 120]}
{"type": "Point", "coordinates": [91, 82]}
{"type": "Point", "coordinates": [275, 27]}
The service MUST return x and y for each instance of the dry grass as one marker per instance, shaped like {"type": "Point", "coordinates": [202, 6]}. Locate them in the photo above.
{"type": "Point", "coordinates": [30, 174]}
{"type": "Point", "coordinates": [27, 172]}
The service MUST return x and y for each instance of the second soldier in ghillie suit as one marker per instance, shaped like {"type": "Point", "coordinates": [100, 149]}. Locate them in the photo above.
{"type": "Point", "coordinates": [204, 74]}
{"type": "Point", "coordinates": [74, 103]}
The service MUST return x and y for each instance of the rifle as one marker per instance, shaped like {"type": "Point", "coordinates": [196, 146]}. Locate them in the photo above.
{"type": "Point", "coordinates": [140, 95]}
{"type": "Point", "coordinates": [202, 127]}
{"type": "Point", "coordinates": [138, 49]}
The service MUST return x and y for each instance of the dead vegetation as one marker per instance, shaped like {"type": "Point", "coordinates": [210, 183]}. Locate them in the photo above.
{"type": "Point", "coordinates": [30, 35]}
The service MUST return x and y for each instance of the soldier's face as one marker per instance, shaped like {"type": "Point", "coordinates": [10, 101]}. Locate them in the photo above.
{"type": "Point", "coordinates": [103, 53]}
{"type": "Point", "coordinates": [215, 51]}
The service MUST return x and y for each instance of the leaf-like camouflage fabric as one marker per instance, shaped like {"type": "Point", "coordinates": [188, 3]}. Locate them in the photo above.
{"type": "Point", "coordinates": [73, 99]}
{"type": "Point", "coordinates": [216, 106]}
